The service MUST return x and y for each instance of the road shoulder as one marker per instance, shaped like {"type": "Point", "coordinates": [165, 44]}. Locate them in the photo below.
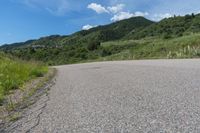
{"type": "Point", "coordinates": [16, 110]}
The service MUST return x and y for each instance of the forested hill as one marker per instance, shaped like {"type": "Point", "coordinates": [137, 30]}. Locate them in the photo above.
{"type": "Point", "coordinates": [172, 27]}
{"type": "Point", "coordinates": [134, 38]}
{"type": "Point", "coordinates": [104, 33]}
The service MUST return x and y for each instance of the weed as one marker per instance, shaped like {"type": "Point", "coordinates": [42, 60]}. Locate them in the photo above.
{"type": "Point", "coordinates": [14, 73]}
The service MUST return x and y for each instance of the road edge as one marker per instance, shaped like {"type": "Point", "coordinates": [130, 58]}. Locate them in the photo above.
{"type": "Point", "coordinates": [13, 111]}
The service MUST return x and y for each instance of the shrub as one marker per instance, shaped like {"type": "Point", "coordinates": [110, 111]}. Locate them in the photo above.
{"type": "Point", "coordinates": [167, 36]}
{"type": "Point", "coordinates": [36, 73]}
{"type": "Point", "coordinates": [105, 52]}
{"type": "Point", "coordinates": [93, 45]}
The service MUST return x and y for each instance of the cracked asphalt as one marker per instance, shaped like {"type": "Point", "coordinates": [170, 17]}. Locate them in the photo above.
{"type": "Point", "coordinates": [150, 96]}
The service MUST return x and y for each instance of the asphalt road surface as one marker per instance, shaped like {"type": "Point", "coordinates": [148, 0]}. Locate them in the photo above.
{"type": "Point", "coordinates": [150, 96]}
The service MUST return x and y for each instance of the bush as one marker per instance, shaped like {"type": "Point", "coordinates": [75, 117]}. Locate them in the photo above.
{"type": "Point", "coordinates": [36, 73]}
{"type": "Point", "coordinates": [105, 52]}
{"type": "Point", "coordinates": [93, 45]}
{"type": "Point", "coordinates": [167, 36]}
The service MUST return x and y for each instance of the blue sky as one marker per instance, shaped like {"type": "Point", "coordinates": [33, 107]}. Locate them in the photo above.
{"type": "Point", "coordinates": [21, 20]}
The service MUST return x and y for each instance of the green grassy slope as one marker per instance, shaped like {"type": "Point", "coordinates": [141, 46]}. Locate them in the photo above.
{"type": "Point", "coordinates": [187, 46]}
{"type": "Point", "coordinates": [14, 73]}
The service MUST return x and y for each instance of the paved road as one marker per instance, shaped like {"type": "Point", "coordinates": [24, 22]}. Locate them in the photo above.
{"type": "Point", "coordinates": [154, 96]}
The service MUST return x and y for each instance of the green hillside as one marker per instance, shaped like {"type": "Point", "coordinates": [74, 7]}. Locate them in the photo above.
{"type": "Point", "coordinates": [104, 33]}
{"type": "Point", "coordinates": [14, 73]}
{"type": "Point", "coordinates": [172, 27]}
{"type": "Point", "coordinates": [134, 38]}
{"type": "Point", "coordinates": [114, 31]}
{"type": "Point", "coordinates": [187, 46]}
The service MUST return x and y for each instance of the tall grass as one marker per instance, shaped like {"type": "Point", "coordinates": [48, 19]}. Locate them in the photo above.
{"type": "Point", "coordinates": [14, 73]}
{"type": "Point", "coordinates": [187, 52]}
{"type": "Point", "coordinates": [187, 46]}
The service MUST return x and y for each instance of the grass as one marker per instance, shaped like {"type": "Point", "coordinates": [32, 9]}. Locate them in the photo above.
{"type": "Point", "coordinates": [187, 46]}
{"type": "Point", "coordinates": [14, 73]}
{"type": "Point", "coordinates": [14, 117]}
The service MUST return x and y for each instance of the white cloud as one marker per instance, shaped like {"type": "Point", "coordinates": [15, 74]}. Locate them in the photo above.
{"type": "Point", "coordinates": [116, 9]}
{"type": "Point", "coordinates": [121, 16]}
{"type": "Point", "coordinates": [158, 17]}
{"type": "Point", "coordinates": [101, 9]}
{"type": "Point", "coordinates": [87, 27]}
{"type": "Point", "coordinates": [98, 8]}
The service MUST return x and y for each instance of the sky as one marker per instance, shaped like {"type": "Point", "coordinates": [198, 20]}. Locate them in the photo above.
{"type": "Point", "coordinates": [21, 20]}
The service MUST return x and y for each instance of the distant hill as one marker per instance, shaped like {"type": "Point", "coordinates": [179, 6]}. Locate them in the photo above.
{"type": "Point", "coordinates": [104, 33]}
{"type": "Point", "coordinates": [133, 34]}
{"type": "Point", "coordinates": [115, 31]}
{"type": "Point", "coordinates": [172, 27]}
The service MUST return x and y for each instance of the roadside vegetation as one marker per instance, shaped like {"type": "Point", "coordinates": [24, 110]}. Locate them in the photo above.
{"type": "Point", "coordinates": [14, 73]}
{"type": "Point", "coordinates": [187, 46]}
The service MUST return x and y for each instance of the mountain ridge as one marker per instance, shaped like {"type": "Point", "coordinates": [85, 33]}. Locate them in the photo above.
{"type": "Point", "coordinates": [100, 32]}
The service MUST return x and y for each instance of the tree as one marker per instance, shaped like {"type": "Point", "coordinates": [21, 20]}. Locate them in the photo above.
{"type": "Point", "coordinates": [193, 16]}
{"type": "Point", "coordinates": [93, 45]}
